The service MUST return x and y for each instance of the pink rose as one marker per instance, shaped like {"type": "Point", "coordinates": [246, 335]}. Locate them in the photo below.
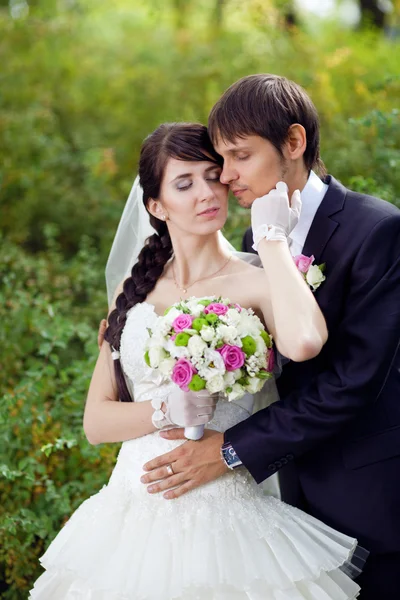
{"type": "Point", "coordinates": [233, 357]}
{"type": "Point", "coordinates": [182, 373]}
{"type": "Point", "coordinates": [182, 322]}
{"type": "Point", "coordinates": [270, 360]}
{"type": "Point", "coordinates": [238, 307]}
{"type": "Point", "coordinates": [303, 263]}
{"type": "Point", "coordinates": [217, 308]}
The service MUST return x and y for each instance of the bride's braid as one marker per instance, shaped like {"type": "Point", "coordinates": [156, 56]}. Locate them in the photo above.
{"type": "Point", "coordinates": [172, 140]}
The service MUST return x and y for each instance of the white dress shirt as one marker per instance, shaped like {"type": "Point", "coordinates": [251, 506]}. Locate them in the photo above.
{"type": "Point", "coordinates": [311, 197]}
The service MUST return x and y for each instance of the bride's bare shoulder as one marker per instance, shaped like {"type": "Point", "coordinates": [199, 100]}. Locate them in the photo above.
{"type": "Point", "coordinates": [244, 262]}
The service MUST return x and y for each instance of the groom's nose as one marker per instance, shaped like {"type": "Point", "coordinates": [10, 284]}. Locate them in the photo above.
{"type": "Point", "coordinates": [228, 174]}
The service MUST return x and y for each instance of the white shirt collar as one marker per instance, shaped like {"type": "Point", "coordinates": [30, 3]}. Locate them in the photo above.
{"type": "Point", "coordinates": [311, 198]}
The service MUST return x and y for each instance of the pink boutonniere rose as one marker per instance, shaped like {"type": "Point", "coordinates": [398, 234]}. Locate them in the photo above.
{"type": "Point", "coordinates": [313, 274]}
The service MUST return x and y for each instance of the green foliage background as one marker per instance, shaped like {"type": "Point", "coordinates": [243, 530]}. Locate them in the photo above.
{"type": "Point", "coordinates": [82, 83]}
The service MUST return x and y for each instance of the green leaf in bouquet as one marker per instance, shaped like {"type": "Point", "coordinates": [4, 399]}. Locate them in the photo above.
{"type": "Point", "coordinates": [263, 374]}
{"type": "Point", "coordinates": [266, 338]}
{"type": "Point", "coordinates": [147, 358]}
{"type": "Point", "coordinates": [205, 302]}
{"type": "Point", "coordinates": [322, 267]}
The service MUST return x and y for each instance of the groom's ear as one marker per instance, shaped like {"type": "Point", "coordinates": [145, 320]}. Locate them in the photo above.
{"type": "Point", "coordinates": [296, 142]}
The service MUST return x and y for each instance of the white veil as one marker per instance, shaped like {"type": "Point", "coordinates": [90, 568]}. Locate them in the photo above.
{"type": "Point", "coordinates": [133, 230]}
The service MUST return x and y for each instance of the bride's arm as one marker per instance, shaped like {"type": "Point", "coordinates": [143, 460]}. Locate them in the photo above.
{"type": "Point", "coordinates": [105, 418]}
{"type": "Point", "coordinates": [290, 310]}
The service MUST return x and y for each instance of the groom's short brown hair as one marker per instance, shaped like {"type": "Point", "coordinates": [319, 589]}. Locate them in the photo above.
{"type": "Point", "coordinates": [266, 105]}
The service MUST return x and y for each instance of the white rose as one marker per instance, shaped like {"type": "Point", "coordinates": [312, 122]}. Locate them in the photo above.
{"type": "Point", "coordinates": [171, 315]}
{"type": "Point", "coordinates": [196, 346]}
{"type": "Point", "coordinates": [215, 384]}
{"type": "Point", "coordinates": [227, 333]}
{"type": "Point", "coordinates": [176, 351]}
{"type": "Point", "coordinates": [229, 379]}
{"type": "Point", "coordinates": [156, 355]}
{"type": "Point", "coordinates": [254, 385]}
{"type": "Point", "coordinates": [315, 277]}
{"type": "Point", "coordinates": [207, 333]}
{"type": "Point", "coordinates": [247, 325]}
{"type": "Point", "coordinates": [236, 393]}
{"type": "Point", "coordinates": [260, 345]}
{"type": "Point", "coordinates": [166, 366]}
{"type": "Point", "coordinates": [195, 308]}
{"type": "Point", "coordinates": [237, 373]}
{"type": "Point", "coordinates": [232, 317]}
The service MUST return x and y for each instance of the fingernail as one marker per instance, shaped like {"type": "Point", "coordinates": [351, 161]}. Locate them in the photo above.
{"type": "Point", "coordinates": [143, 479]}
{"type": "Point", "coordinates": [150, 489]}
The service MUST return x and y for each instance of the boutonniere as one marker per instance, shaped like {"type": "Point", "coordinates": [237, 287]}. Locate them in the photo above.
{"type": "Point", "coordinates": [313, 274]}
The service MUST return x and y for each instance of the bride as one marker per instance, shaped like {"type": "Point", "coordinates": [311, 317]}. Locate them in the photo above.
{"type": "Point", "coordinates": [226, 540]}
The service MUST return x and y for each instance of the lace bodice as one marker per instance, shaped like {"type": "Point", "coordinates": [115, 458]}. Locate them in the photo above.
{"type": "Point", "coordinates": [147, 384]}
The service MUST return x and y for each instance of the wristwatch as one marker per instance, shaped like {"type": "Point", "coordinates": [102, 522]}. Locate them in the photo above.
{"type": "Point", "coordinates": [229, 456]}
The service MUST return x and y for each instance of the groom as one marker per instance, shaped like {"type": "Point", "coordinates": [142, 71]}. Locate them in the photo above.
{"type": "Point", "coordinates": [334, 436]}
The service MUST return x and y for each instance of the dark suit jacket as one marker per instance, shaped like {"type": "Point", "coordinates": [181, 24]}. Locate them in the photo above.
{"type": "Point", "coordinates": [335, 433]}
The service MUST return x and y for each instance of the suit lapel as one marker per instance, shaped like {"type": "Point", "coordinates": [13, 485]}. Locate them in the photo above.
{"type": "Point", "coordinates": [323, 225]}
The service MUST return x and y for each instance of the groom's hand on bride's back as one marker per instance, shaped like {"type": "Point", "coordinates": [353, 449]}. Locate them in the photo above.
{"type": "Point", "coordinates": [101, 332]}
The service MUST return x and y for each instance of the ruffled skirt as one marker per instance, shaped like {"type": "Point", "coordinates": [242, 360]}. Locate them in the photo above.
{"type": "Point", "coordinates": [224, 541]}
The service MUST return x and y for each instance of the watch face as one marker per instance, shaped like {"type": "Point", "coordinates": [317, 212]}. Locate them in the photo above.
{"type": "Point", "coordinates": [230, 456]}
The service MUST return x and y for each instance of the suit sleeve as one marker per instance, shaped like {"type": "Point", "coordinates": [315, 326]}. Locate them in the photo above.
{"type": "Point", "coordinates": [362, 348]}
{"type": "Point", "coordinates": [247, 241]}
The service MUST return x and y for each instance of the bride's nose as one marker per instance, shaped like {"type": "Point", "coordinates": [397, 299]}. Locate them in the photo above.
{"type": "Point", "coordinates": [206, 192]}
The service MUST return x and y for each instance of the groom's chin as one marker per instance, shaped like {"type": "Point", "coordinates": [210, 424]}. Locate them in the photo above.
{"type": "Point", "coordinates": [244, 202]}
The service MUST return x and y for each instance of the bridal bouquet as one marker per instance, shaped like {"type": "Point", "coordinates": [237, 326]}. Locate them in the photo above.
{"type": "Point", "coordinates": [213, 344]}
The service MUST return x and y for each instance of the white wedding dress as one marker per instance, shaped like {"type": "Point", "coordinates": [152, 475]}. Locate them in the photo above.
{"type": "Point", "coordinates": [224, 541]}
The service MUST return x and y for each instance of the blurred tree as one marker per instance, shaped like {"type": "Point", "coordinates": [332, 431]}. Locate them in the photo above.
{"type": "Point", "coordinates": [371, 14]}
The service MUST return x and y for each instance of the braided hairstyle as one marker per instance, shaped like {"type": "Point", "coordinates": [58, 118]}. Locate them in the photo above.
{"type": "Point", "coordinates": [181, 141]}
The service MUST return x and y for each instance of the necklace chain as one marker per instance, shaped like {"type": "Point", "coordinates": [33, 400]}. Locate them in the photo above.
{"type": "Point", "coordinates": [185, 289]}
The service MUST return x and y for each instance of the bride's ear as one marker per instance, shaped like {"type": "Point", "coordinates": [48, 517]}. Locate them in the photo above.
{"type": "Point", "coordinates": [296, 142]}
{"type": "Point", "coordinates": [156, 209]}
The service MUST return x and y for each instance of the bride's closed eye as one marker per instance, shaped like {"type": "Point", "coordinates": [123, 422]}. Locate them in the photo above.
{"type": "Point", "coordinates": [182, 188]}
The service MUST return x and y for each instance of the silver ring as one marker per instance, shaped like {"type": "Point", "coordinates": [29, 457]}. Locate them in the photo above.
{"type": "Point", "coordinates": [170, 470]}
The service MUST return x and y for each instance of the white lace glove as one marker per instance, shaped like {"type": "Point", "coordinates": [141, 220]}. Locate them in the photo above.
{"type": "Point", "coordinates": [184, 409]}
{"type": "Point", "coordinates": [272, 217]}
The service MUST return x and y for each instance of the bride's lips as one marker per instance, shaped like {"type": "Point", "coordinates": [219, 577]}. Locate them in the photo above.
{"type": "Point", "coordinates": [209, 212]}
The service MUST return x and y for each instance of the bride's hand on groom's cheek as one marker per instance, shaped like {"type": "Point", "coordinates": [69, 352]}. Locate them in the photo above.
{"type": "Point", "coordinates": [193, 464]}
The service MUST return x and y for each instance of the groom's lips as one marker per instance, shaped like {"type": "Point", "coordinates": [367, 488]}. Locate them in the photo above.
{"type": "Point", "coordinates": [238, 191]}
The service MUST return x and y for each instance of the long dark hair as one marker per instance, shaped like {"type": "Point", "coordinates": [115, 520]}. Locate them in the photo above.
{"type": "Point", "coordinates": [267, 105]}
{"type": "Point", "coordinates": [182, 141]}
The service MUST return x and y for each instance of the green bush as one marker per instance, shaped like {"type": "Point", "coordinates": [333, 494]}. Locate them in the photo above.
{"type": "Point", "coordinates": [48, 341]}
